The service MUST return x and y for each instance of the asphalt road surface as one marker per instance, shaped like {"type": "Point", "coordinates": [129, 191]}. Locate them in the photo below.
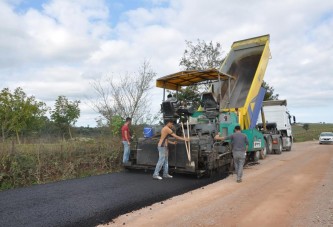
{"type": "Point", "coordinates": [90, 201]}
{"type": "Point", "coordinates": [292, 189]}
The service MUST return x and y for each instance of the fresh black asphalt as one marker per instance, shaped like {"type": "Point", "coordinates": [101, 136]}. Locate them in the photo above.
{"type": "Point", "coordinates": [90, 201]}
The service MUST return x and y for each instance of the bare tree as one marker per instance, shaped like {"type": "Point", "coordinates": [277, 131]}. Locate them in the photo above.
{"type": "Point", "coordinates": [103, 104]}
{"type": "Point", "coordinates": [125, 95]}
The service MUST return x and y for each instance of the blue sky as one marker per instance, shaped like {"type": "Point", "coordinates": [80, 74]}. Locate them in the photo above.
{"type": "Point", "coordinates": [59, 47]}
{"type": "Point", "coordinates": [116, 7]}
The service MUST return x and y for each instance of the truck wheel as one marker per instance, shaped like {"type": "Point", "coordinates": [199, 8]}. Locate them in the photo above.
{"type": "Point", "coordinates": [269, 145]}
{"type": "Point", "coordinates": [263, 153]}
{"type": "Point", "coordinates": [279, 150]}
{"type": "Point", "coordinates": [256, 156]}
{"type": "Point", "coordinates": [291, 144]}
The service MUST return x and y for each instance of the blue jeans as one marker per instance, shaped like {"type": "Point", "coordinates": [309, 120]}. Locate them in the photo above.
{"type": "Point", "coordinates": [162, 161]}
{"type": "Point", "coordinates": [239, 160]}
{"type": "Point", "coordinates": [126, 152]}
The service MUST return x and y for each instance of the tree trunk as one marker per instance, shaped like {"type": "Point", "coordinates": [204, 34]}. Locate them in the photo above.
{"type": "Point", "coordinates": [18, 137]}
{"type": "Point", "coordinates": [70, 133]}
{"type": "Point", "coordinates": [3, 134]}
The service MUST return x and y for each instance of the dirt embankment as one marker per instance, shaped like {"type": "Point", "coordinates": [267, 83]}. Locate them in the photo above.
{"type": "Point", "coordinates": [292, 189]}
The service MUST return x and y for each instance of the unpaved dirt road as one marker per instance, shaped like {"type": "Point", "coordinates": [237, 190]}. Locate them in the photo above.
{"type": "Point", "coordinates": [291, 189]}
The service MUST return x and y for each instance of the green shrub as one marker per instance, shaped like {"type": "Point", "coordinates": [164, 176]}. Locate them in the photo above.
{"type": "Point", "coordinates": [27, 164]}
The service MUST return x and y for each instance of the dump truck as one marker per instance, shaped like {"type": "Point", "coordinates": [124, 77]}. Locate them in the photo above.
{"type": "Point", "coordinates": [276, 125]}
{"type": "Point", "coordinates": [235, 98]}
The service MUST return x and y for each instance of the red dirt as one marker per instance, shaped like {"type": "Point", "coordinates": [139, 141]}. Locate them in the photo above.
{"type": "Point", "coordinates": [291, 189]}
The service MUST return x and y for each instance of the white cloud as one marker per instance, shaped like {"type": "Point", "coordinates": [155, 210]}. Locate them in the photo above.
{"type": "Point", "coordinates": [60, 47]}
{"type": "Point", "coordinates": [109, 51]}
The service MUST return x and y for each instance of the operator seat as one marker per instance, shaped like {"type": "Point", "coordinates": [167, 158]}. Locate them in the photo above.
{"type": "Point", "coordinates": [210, 105]}
{"type": "Point", "coordinates": [169, 111]}
{"type": "Point", "coordinates": [208, 101]}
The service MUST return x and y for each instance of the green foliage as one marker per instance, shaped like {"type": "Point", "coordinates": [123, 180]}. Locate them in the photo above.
{"type": "Point", "coordinates": [198, 56]}
{"type": "Point", "coordinates": [117, 122]}
{"type": "Point", "coordinates": [201, 56]}
{"type": "Point", "coordinates": [190, 96]}
{"type": "Point", "coordinates": [21, 168]}
{"type": "Point", "coordinates": [269, 92]}
{"type": "Point", "coordinates": [19, 113]}
{"type": "Point", "coordinates": [306, 127]}
{"type": "Point", "coordinates": [27, 164]}
{"type": "Point", "coordinates": [65, 113]}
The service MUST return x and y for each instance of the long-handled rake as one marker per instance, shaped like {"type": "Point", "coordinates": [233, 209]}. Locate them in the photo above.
{"type": "Point", "coordinates": [190, 164]}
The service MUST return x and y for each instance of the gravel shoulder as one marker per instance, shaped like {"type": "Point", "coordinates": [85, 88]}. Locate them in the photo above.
{"type": "Point", "coordinates": [291, 189]}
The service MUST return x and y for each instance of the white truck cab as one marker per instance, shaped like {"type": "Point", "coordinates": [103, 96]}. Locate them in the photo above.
{"type": "Point", "coordinates": [278, 125]}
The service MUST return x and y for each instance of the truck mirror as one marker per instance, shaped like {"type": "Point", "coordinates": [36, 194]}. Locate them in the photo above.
{"type": "Point", "coordinates": [294, 119]}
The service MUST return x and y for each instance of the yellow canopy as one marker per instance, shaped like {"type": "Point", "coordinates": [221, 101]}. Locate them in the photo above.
{"type": "Point", "coordinates": [185, 78]}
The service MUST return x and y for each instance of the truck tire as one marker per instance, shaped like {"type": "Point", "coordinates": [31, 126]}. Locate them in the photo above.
{"type": "Point", "coordinates": [256, 156]}
{"type": "Point", "coordinates": [279, 150]}
{"type": "Point", "coordinates": [291, 144]}
{"type": "Point", "coordinates": [269, 145]}
{"type": "Point", "coordinates": [263, 153]}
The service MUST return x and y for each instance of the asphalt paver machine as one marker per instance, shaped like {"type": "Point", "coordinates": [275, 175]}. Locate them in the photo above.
{"type": "Point", "coordinates": [235, 98]}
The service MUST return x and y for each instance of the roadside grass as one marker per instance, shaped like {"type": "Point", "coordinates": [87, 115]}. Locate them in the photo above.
{"type": "Point", "coordinates": [39, 163]}
{"type": "Point", "coordinates": [301, 135]}
{"type": "Point", "coordinates": [28, 164]}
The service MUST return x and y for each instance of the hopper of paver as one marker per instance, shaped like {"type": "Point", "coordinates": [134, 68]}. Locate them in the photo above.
{"type": "Point", "coordinates": [246, 62]}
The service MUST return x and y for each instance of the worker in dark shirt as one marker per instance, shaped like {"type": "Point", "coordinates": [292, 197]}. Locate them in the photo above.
{"type": "Point", "coordinates": [240, 144]}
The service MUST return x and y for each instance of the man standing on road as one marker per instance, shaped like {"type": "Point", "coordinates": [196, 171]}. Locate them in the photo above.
{"type": "Point", "coordinates": [240, 144]}
{"type": "Point", "coordinates": [126, 138]}
{"type": "Point", "coordinates": [163, 151]}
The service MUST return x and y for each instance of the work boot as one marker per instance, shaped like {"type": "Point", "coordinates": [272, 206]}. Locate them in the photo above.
{"type": "Point", "coordinates": [239, 181]}
{"type": "Point", "coordinates": [127, 163]}
{"type": "Point", "coordinates": [156, 177]}
{"type": "Point", "coordinates": [167, 176]}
